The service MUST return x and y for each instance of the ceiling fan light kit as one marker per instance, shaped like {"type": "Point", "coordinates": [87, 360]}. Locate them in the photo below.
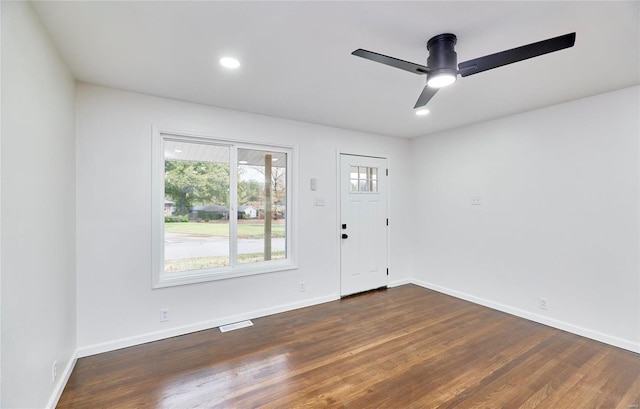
{"type": "Point", "coordinates": [443, 61]}
{"type": "Point", "coordinates": [442, 67]}
{"type": "Point", "coordinates": [441, 79]}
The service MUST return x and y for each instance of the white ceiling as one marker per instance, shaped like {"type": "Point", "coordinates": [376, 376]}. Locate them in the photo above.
{"type": "Point", "coordinates": [296, 60]}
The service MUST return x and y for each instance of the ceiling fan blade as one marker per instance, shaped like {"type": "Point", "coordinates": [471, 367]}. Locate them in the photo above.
{"type": "Point", "coordinates": [393, 62]}
{"type": "Point", "coordinates": [496, 60]}
{"type": "Point", "coordinates": [425, 96]}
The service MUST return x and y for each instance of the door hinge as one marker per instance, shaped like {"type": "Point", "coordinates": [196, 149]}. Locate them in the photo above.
{"type": "Point", "coordinates": [387, 222]}
{"type": "Point", "coordinates": [387, 172]}
{"type": "Point", "coordinates": [387, 271]}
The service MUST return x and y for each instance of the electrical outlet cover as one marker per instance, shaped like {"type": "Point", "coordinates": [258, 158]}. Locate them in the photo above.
{"type": "Point", "coordinates": [543, 303]}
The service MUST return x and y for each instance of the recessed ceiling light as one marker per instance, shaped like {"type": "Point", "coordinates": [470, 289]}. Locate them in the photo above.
{"type": "Point", "coordinates": [242, 162]}
{"type": "Point", "coordinates": [422, 112]}
{"type": "Point", "coordinates": [177, 150]}
{"type": "Point", "coordinates": [274, 159]}
{"type": "Point", "coordinates": [229, 62]}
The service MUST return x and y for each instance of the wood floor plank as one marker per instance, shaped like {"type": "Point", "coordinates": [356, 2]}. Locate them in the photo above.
{"type": "Point", "coordinates": [406, 347]}
{"type": "Point", "coordinates": [519, 384]}
{"type": "Point", "coordinates": [631, 397]}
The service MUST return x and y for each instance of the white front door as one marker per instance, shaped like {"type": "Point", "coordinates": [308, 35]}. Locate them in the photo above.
{"type": "Point", "coordinates": [363, 223]}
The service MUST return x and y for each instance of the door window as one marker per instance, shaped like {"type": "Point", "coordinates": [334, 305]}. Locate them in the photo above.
{"type": "Point", "coordinates": [363, 179]}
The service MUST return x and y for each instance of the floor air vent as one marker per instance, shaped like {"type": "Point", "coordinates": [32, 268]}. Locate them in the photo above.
{"type": "Point", "coordinates": [237, 325]}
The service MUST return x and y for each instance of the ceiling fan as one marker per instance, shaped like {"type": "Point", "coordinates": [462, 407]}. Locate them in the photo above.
{"type": "Point", "coordinates": [441, 67]}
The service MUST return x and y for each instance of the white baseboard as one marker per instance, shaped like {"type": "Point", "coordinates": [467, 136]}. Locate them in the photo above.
{"type": "Point", "coordinates": [565, 326]}
{"type": "Point", "coordinates": [200, 326]}
{"type": "Point", "coordinates": [398, 283]}
{"type": "Point", "coordinates": [62, 382]}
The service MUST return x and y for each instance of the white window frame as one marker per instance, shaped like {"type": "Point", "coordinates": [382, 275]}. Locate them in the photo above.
{"type": "Point", "coordinates": [160, 279]}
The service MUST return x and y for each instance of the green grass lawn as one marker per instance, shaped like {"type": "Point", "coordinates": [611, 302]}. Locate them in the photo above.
{"type": "Point", "coordinates": [218, 229]}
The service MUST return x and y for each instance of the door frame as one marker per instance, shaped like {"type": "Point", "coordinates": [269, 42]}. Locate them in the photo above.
{"type": "Point", "coordinates": [365, 153]}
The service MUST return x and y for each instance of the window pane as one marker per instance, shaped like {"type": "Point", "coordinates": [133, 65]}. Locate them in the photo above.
{"type": "Point", "coordinates": [354, 185]}
{"type": "Point", "coordinates": [363, 186]}
{"type": "Point", "coordinates": [354, 172]}
{"type": "Point", "coordinates": [374, 185]}
{"type": "Point", "coordinates": [374, 173]}
{"type": "Point", "coordinates": [196, 208]}
{"type": "Point", "coordinates": [262, 205]}
{"type": "Point", "coordinates": [363, 173]}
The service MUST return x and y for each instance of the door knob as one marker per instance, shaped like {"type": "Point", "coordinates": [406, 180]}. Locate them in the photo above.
{"type": "Point", "coordinates": [344, 236]}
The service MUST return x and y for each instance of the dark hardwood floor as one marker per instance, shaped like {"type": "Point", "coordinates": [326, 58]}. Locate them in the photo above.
{"type": "Point", "coordinates": [406, 347]}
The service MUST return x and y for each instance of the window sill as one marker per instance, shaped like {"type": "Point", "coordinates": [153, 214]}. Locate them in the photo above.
{"type": "Point", "coordinates": [200, 276]}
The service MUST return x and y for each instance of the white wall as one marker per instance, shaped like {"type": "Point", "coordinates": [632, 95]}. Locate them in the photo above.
{"type": "Point", "coordinates": [38, 211]}
{"type": "Point", "coordinates": [116, 305]}
{"type": "Point", "coordinates": [559, 215]}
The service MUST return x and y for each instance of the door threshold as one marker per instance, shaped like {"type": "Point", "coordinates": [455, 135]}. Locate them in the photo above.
{"type": "Point", "coordinates": [383, 288]}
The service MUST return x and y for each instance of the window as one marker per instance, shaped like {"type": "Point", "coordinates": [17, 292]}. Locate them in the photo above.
{"type": "Point", "coordinates": [363, 179]}
{"type": "Point", "coordinates": [220, 209]}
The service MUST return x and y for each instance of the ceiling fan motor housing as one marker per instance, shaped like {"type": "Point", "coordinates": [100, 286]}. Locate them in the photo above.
{"type": "Point", "coordinates": [442, 54]}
